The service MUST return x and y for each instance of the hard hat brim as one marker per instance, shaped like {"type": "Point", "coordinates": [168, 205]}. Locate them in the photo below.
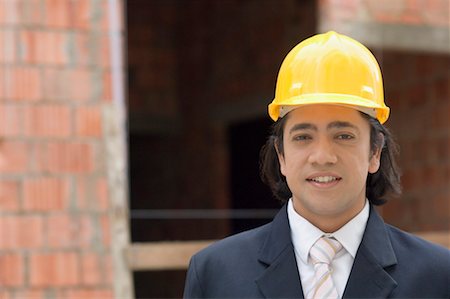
{"type": "Point", "coordinates": [380, 112]}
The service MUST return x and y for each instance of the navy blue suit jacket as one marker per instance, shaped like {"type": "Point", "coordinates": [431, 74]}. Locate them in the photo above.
{"type": "Point", "coordinates": [261, 263]}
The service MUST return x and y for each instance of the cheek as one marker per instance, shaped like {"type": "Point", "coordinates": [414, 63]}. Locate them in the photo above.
{"type": "Point", "coordinates": [289, 163]}
{"type": "Point", "coordinates": [357, 160]}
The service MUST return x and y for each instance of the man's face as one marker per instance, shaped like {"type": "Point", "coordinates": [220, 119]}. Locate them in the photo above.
{"type": "Point", "coordinates": [326, 161]}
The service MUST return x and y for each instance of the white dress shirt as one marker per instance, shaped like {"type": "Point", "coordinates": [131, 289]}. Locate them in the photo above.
{"type": "Point", "coordinates": [304, 235]}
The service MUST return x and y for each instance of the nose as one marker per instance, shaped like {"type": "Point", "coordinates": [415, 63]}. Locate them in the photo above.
{"type": "Point", "coordinates": [322, 153]}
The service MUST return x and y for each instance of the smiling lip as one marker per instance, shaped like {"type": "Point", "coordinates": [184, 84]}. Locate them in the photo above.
{"type": "Point", "coordinates": [324, 180]}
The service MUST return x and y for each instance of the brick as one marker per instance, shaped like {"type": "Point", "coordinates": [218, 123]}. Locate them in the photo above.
{"type": "Point", "coordinates": [23, 83]}
{"type": "Point", "coordinates": [14, 157]}
{"type": "Point", "coordinates": [65, 157]}
{"type": "Point", "coordinates": [21, 232]}
{"type": "Point", "coordinates": [28, 46]}
{"type": "Point", "coordinates": [2, 85]}
{"type": "Point", "coordinates": [92, 194]}
{"type": "Point", "coordinates": [8, 48]}
{"type": "Point", "coordinates": [65, 231]}
{"type": "Point", "coordinates": [442, 89]}
{"type": "Point", "coordinates": [58, 269]}
{"type": "Point", "coordinates": [437, 12]}
{"type": "Point", "coordinates": [48, 121]}
{"type": "Point", "coordinates": [45, 194]}
{"type": "Point", "coordinates": [82, 14]}
{"type": "Point", "coordinates": [9, 196]}
{"type": "Point", "coordinates": [411, 180]}
{"type": "Point", "coordinates": [81, 192]}
{"type": "Point", "coordinates": [81, 82]}
{"type": "Point", "coordinates": [443, 148]}
{"type": "Point", "coordinates": [11, 119]}
{"type": "Point", "coordinates": [431, 176]}
{"type": "Point", "coordinates": [9, 12]}
{"type": "Point", "coordinates": [86, 232]}
{"type": "Point", "coordinates": [53, 48]}
{"type": "Point", "coordinates": [412, 12]}
{"type": "Point", "coordinates": [57, 13]}
{"type": "Point", "coordinates": [4, 294]}
{"type": "Point", "coordinates": [102, 194]}
{"type": "Point", "coordinates": [62, 231]}
{"type": "Point", "coordinates": [56, 84]}
{"type": "Point", "coordinates": [417, 96]}
{"type": "Point", "coordinates": [83, 45]}
{"type": "Point", "coordinates": [89, 121]}
{"type": "Point", "coordinates": [390, 210]}
{"type": "Point", "coordinates": [441, 115]}
{"type": "Point", "coordinates": [104, 22]}
{"type": "Point", "coordinates": [385, 11]}
{"type": "Point", "coordinates": [411, 18]}
{"type": "Point", "coordinates": [87, 294]}
{"type": "Point", "coordinates": [2, 21]}
{"type": "Point", "coordinates": [105, 51]}
{"type": "Point", "coordinates": [414, 5]}
{"type": "Point", "coordinates": [108, 270]}
{"type": "Point", "coordinates": [91, 269]}
{"type": "Point", "coordinates": [31, 12]}
{"type": "Point", "coordinates": [107, 86]}
{"type": "Point", "coordinates": [11, 270]}
{"type": "Point", "coordinates": [44, 47]}
{"type": "Point", "coordinates": [440, 209]}
{"type": "Point", "coordinates": [105, 224]}
{"type": "Point", "coordinates": [347, 9]}
{"type": "Point", "coordinates": [29, 294]}
{"type": "Point", "coordinates": [423, 67]}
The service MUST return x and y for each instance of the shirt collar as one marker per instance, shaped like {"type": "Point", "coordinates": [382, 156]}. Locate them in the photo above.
{"type": "Point", "coordinates": [304, 234]}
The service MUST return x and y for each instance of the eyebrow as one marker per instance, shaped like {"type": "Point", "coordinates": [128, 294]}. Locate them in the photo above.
{"type": "Point", "coordinates": [332, 125]}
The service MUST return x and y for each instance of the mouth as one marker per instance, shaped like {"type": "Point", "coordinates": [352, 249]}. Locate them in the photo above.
{"type": "Point", "coordinates": [324, 181]}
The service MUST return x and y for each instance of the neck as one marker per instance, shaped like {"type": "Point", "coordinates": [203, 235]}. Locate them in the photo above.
{"type": "Point", "coordinates": [329, 221]}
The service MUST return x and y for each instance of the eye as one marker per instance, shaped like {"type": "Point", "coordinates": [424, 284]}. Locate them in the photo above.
{"type": "Point", "coordinates": [303, 137]}
{"type": "Point", "coordinates": [345, 136]}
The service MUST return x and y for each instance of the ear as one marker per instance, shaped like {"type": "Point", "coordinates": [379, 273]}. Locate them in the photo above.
{"type": "Point", "coordinates": [281, 160]}
{"type": "Point", "coordinates": [374, 163]}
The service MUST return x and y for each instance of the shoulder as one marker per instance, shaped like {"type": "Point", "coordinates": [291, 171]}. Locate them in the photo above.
{"type": "Point", "coordinates": [422, 269]}
{"type": "Point", "coordinates": [227, 267]}
{"type": "Point", "coordinates": [409, 246]}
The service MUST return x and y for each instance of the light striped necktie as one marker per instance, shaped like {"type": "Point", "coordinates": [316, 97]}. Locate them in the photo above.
{"type": "Point", "coordinates": [321, 254]}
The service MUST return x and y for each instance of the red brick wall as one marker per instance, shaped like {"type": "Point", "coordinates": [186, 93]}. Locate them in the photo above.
{"type": "Point", "coordinates": [417, 90]}
{"type": "Point", "coordinates": [54, 197]}
{"type": "Point", "coordinates": [186, 60]}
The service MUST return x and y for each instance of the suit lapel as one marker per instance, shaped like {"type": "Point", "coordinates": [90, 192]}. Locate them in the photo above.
{"type": "Point", "coordinates": [281, 278]}
{"type": "Point", "coordinates": [368, 277]}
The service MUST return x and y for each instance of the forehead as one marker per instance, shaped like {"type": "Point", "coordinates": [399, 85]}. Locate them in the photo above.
{"type": "Point", "coordinates": [322, 115]}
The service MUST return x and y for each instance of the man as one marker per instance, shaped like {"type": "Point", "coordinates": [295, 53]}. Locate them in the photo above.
{"type": "Point", "coordinates": [331, 159]}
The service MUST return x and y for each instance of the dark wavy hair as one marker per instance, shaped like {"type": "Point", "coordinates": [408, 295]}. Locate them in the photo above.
{"type": "Point", "coordinates": [379, 186]}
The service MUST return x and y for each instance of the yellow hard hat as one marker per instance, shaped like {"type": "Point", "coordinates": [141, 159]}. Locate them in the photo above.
{"type": "Point", "coordinates": [330, 68]}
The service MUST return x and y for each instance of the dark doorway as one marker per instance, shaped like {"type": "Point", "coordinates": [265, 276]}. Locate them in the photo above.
{"type": "Point", "coordinates": [248, 191]}
{"type": "Point", "coordinates": [185, 61]}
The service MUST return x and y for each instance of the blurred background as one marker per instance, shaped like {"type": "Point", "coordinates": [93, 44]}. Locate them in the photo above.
{"type": "Point", "coordinates": [130, 130]}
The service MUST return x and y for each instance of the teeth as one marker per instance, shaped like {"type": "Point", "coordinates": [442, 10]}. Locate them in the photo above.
{"type": "Point", "coordinates": [324, 179]}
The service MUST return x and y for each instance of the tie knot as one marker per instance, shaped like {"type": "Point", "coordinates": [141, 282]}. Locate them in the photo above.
{"type": "Point", "coordinates": [324, 250]}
